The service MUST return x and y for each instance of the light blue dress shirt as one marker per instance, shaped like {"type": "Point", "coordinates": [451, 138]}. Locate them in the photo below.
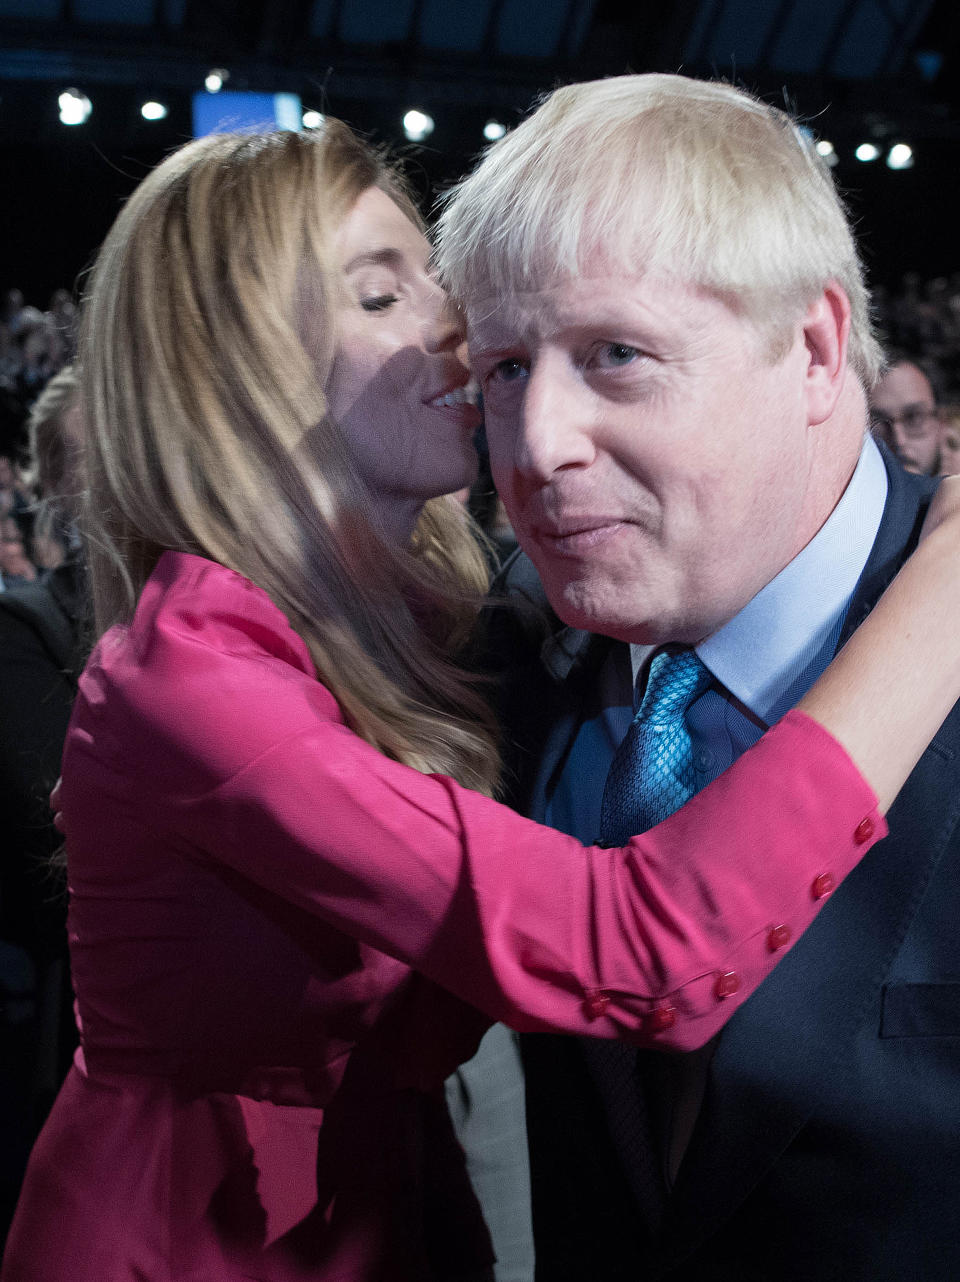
{"type": "Point", "coordinates": [765, 658]}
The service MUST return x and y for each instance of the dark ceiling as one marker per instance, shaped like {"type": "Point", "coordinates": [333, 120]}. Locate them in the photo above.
{"type": "Point", "coordinates": [493, 55]}
{"type": "Point", "coordinates": [854, 68]}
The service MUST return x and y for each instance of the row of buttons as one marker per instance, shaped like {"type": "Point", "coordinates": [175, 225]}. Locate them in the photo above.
{"type": "Point", "coordinates": [659, 1020]}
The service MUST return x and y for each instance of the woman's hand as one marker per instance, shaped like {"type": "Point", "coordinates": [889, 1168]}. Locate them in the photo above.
{"type": "Point", "coordinates": [944, 507]}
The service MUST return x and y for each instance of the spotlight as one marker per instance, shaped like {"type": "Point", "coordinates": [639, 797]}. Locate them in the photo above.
{"type": "Point", "coordinates": [900, 156]}
{"type": "Point", "coordinates": [493, 130]}
{"type": "Point", "coordinates": [417, 125]}
{"type": "Point", "coordinates": [312, 119]}
{"type": "Point", "coordinates": [216, 78]}
{"type": "Point", "coordinates": [826, 149]}
{"type": "Point", "coordinates": [153, 111]}
{"type": "Point", "coordinates": [75, 107]}
{"type": "Point", "coordinates": [867, 151]}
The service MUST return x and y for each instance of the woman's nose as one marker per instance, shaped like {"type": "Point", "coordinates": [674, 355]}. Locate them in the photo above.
{"type": "Point", "coordinates": [447, 328]}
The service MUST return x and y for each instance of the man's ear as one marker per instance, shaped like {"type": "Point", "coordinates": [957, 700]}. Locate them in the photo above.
{"type": "Point", "coordinates": [826, 330]}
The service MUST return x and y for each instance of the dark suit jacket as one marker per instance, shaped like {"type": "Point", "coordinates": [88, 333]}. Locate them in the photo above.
{"type": "Point", "coordinates": [828, 1145]}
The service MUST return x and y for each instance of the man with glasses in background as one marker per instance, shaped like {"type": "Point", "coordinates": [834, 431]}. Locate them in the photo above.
{"type": "Point", "coordinates": [904, 415]}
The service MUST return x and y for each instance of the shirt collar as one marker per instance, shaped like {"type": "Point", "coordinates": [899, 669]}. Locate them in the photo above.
{"type": "Point", "coordinates": [770, 653]}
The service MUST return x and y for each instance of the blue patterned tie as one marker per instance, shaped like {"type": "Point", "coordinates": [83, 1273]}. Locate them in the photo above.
{"type": "Point", "coordinates": [652, 773]}
{"type": "Point", "coordinates": [651, 776]}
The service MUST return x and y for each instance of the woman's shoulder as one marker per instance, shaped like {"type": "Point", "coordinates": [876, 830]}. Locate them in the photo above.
{"type": "Point", "coordinates": [201, 603]}
{"type": "Point", "coordinates": [208, 667]}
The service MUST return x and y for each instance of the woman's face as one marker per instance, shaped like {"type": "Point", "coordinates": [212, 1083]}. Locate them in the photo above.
{"type": "Point", "coordinates": [398, 387]}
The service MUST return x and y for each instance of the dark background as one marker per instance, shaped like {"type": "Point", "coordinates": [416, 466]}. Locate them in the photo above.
{"type": "Point", "coordinates": [854, 69]}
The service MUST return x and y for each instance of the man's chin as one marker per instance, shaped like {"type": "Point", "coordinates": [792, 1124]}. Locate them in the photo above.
{"type": "Point", "coordinates": [612, 617]}
{"type": "Point", "coordinates": [918, 469]}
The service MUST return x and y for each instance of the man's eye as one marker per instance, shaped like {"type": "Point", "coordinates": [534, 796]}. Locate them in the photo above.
{"type": "Point", "coordinates": [508, 371]}
{"type": "Point", "coordinates": [612, 355]}
{"type": "Point", "coordinates": [378, 303]}
{"type": "Point", "coordinates": [915, 420]}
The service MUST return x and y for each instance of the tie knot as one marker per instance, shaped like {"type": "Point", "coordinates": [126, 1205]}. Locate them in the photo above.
{"type": "Point", "coordinates": [675, 679]}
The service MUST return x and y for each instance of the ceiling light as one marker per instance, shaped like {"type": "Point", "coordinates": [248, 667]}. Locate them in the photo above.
{"type": "Point", "coordinates": [493, 130]}
{"type": "Point", "coordinates": [900, 156]}
{"type": "Point", "coordinates": [417, 125]}
{"type": "Point", "coordinates": [153, 111]}
{"type": "Point", "coordinates": [75, 107]}
{"type": "Point", "coordinates": [312, 119]}
{"type": "Point", "coordinates": [827, 151]}
{"type": "Point", "coordinates": [216, 78]}
{"type": "Point", "coordinates": [867, 151]}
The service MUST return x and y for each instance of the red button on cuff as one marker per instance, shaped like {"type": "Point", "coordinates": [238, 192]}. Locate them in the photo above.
{"type": "Point", "coordinates": [863, 831]}
{"type": "Point", "coordinates": [659, 1020]}
{"type": "Point", "coordinates": [726, 985]}
{"type": "Point", "coordinates": [779, 936]}
{"type": "Point", "coordinates": [822, 885]}
{"type": "Point", "coordinates": [595, 1005]}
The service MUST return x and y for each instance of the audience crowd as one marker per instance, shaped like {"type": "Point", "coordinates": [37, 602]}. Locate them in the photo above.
{"type": "Point", "coordinates": [922, 319]}
{"type": "Point", "coordinates": [34, 346]}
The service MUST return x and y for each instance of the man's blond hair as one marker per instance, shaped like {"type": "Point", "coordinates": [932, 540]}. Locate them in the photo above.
{"type": "Point", "coordinates": [660, 173]}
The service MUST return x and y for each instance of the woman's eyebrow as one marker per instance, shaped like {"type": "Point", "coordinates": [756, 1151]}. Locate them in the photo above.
{"type": "Point", "coordinates": [375, 258]}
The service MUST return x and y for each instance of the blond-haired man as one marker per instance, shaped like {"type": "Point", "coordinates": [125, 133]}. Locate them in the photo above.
{"type": "Point", "coordinates": [669, 322]}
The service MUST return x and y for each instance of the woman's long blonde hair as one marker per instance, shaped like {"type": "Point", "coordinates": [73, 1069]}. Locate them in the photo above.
{"type": "Point", "coordinates": [206, 346]}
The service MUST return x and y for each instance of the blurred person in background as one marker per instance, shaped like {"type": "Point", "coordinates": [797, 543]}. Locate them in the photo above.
{"type": "Point", "coordinates": [950, 440]}
{"type": "Point", "coordinates": [64, 318]}
{"type": "Point", "coordinates": [904, 415]}
{"type": "Point", "coordinates": [56, 445]}
{"type": "Point", "coordinates": [41, 655]}
{"type": "Point", "coordinates": [16, 568]}
{"type": "Point", "coordinates": [14, 494]}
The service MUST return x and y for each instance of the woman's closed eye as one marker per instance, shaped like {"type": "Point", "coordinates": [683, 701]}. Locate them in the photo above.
{"type": "Point", "coordinates": [378, 302]}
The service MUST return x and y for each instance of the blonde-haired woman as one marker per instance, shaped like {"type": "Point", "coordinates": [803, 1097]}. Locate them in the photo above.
{"type": "Point", "coordinates": [294, 906]}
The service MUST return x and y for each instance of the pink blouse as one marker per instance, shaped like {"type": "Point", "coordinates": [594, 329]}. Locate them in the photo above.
{"type": "Point", "coordinates": [282, 942]}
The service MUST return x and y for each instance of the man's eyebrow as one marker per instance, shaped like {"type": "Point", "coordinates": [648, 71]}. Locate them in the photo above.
{"type": "Point", "coordinates": [374, 258]}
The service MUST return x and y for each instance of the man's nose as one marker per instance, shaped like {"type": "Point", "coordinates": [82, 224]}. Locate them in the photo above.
{"type": "Point", "coordinates": [556, 420]}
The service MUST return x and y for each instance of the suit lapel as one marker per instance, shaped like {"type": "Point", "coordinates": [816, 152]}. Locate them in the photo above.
{"type": "Point", "coordinates": [553, 702]}
{"type": "Point", "coordinates": [788, 1044]}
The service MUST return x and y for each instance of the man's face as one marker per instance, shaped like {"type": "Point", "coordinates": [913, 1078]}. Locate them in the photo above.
{"type": "Point", "coordinates": [903, 414]}
{"type": "Point", "coordinates": [654, 462]}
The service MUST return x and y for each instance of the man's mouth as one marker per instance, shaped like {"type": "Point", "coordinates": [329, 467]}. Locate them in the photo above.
{"type": "Point", "coordinates": [573, 537]}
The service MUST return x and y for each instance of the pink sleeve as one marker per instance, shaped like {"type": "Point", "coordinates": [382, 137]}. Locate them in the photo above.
{"type": "Point", "coordinates": [208, 725]}
{"type": "Point", "coordinates": [657, 943]}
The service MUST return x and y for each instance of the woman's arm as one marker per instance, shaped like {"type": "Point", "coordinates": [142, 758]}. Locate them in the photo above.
{"type": "Point", "coordinates": [525, 923]}
{"type": "Point", "coordinates": [241, 759]}
{"type": "Point", "coordinates": [888, 691]}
